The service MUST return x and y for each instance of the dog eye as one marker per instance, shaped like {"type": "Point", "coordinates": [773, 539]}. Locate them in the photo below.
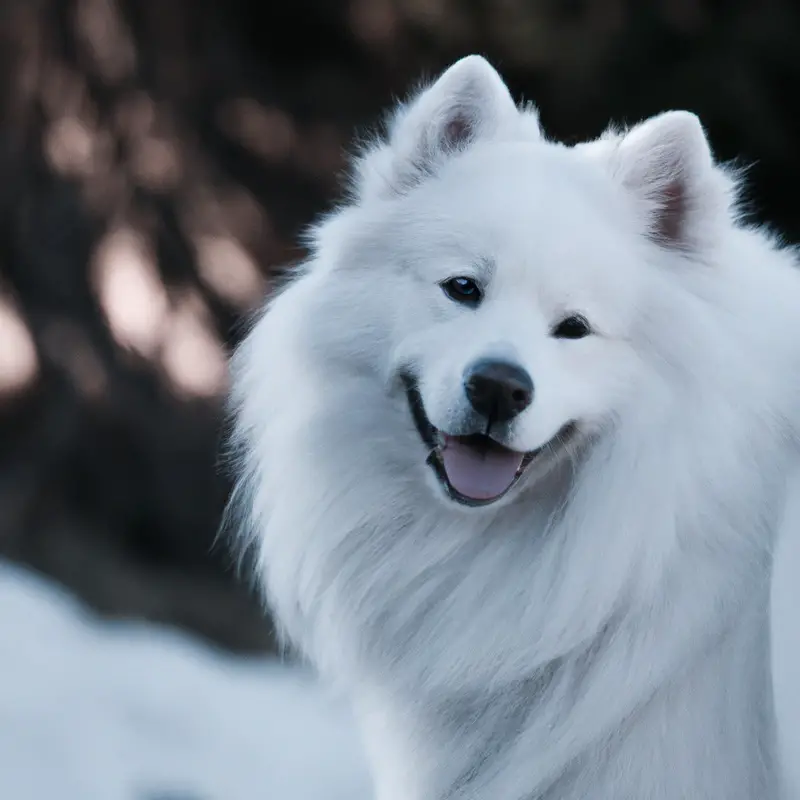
{"type": "Point", "coordinates": [572, 327]}
{"type": "Point", "coordinates": [462, 290]}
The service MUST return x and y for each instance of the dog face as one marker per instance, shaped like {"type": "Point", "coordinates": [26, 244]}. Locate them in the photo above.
{"type": "Point", "coordinates": [512, 330]}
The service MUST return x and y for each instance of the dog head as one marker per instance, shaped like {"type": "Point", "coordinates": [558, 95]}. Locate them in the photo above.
{"type": "Point", "coordinates": [501, 284]}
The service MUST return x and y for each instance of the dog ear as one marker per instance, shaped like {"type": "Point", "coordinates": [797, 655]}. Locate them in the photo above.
{"type": "Point", "coordinates": [666, 162]}
{"type": "Point", "coordinates": [468, 102]}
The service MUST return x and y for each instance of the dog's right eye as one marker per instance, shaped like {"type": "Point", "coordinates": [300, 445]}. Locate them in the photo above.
{"type": "Point", "coordinates": [462, 290]}
{"type": "Point", "coordinates": [572, 327]}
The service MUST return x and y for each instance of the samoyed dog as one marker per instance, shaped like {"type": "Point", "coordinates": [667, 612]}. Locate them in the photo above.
{"type": "Point", "coordinates": [516, 447]}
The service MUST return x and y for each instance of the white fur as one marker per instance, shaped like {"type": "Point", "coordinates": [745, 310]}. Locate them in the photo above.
{"type": "Point", "coordinates": [602, 632]}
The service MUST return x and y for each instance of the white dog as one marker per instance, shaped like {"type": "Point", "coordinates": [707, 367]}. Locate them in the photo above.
{"type": "Point", "coordinates": [516, 446]}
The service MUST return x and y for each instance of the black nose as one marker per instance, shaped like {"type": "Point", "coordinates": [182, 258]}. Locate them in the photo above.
{"type": "Point", "coordinates": [498, 390]}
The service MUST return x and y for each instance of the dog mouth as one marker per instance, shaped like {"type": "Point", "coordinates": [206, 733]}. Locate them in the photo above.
{"type": "Point", "coordinates": [475, 470]}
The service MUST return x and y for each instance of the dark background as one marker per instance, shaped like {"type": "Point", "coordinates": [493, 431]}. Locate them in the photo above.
{"type": "Point", "coordinates": [157, 161]}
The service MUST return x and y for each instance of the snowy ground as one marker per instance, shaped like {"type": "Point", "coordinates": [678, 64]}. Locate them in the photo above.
{"type": "Point", "coordinates": [97, 711]}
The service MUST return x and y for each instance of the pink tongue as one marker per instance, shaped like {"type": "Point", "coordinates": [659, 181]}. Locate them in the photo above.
{"type": "Point", "coordinates": [479, 475]}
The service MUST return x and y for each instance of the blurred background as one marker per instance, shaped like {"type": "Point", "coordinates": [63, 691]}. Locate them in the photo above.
{"type": "Point", "coordinates": [158, 159]}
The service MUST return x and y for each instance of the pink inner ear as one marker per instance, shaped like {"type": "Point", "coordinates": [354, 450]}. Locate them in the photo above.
{"type": "Point", "coordinates": [671, 213]}
{"type": "Point", "coordinates": [458, 131]}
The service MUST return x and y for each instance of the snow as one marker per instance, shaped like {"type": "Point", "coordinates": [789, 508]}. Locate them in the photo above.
{"type": "Point", "coordinates": [95, 710]}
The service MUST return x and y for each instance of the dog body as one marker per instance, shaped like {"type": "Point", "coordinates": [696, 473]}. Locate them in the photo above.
{"type": "Point", "coordinates": [516, 446]}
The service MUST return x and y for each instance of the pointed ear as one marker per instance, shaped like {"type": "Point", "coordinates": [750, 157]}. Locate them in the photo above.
{"type": "Point", "coordinates": [666, 163]}
{"type": "Point", "coordinates": [467, 103]}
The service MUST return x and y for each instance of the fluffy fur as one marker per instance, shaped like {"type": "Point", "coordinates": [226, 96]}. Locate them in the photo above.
{"type": "Point", "coordinates": [602, 631]}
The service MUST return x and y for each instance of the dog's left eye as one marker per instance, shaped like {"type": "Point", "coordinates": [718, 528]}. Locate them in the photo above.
{"type": "Point", "coordinates": [572, 327]}
{"type": "Point", "coordinates": [462, 290]}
